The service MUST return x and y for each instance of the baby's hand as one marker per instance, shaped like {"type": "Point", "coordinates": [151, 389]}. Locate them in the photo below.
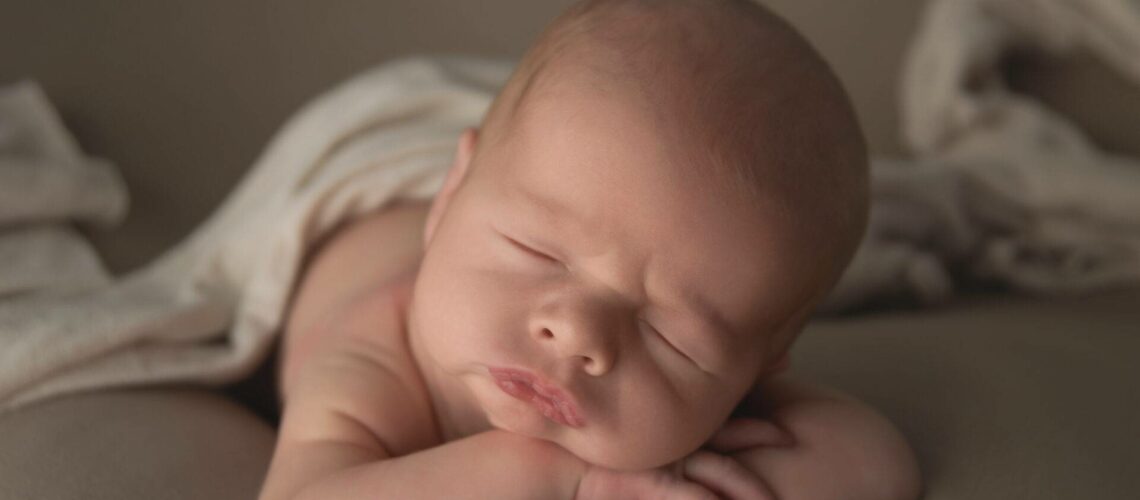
{"type": "Point", "coordinates": [703, 475]}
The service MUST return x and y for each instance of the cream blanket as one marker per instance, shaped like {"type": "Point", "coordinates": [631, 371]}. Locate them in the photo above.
{"type": "Point", "coordinates": [1001, 184]}
{"type": "Point", "coordinates": [45, 180]}
{"type": "Point", "coordinates": [1002, 189]}
{"type": "Point", "coordinates": [208, 310]}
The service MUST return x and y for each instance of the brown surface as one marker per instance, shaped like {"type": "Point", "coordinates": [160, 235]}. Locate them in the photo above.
{"type": "Point", "coordinates": [1002, 397]}
{"type": "Point", "coordinates": [160, 444]}
{"type": "Point", "coordinates": [1093, 96]}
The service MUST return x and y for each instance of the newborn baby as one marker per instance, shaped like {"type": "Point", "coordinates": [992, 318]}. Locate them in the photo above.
{"type": "Point", "coordinates": [598, 300]}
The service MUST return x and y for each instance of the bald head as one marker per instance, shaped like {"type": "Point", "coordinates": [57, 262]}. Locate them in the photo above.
{"type": "Point", "coordinates": [756, 106]}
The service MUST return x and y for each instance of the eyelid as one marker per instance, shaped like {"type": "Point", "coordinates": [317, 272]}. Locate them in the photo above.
{"type": "Point", "coordinates": [529, 250]}
{"type": "Point", "coordinates": [669, 342]}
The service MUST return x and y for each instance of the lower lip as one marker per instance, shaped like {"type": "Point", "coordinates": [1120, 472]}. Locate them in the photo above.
{"type": "Point", "coordinates": [554, 409]}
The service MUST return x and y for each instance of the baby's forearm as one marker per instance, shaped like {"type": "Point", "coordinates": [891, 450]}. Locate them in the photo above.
{"type": "Point", "coordinates": [493, 464]}
{"type": "Point", "coordinates": [860, 452]}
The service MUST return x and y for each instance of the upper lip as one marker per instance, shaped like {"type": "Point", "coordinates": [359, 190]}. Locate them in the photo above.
{"type": "Point", "coordinates": [562, 398]}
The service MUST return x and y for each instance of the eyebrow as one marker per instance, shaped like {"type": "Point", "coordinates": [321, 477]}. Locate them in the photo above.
{"type": "Point", "coordinates": [696, 304]}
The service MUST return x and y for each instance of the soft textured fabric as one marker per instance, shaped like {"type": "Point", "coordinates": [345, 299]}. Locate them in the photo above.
{"type": "Point", "coordinates": [45, 183]}
{"type": "Point", "coordinates": [1002, 189]}
{"type": "Point", "coordinates": [208, 310]}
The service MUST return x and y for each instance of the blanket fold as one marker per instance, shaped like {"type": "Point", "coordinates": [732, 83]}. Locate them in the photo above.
{"type": "Point", "coordinates": [208, 310]}
{"type": "Point", "coordinates": [45, 181]}
{"type": "Point", "coordinates": [1001, 189]}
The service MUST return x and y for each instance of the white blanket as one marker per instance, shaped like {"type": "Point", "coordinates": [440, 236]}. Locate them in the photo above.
{"type": "Point", "coordinates": [991, 189]}
{"type": "Point", "coordinates": [208, 310]}
{"type": "Point", "coordinates": [1002, 189]}
{"type": "Point", "coordinates": [44, 181]}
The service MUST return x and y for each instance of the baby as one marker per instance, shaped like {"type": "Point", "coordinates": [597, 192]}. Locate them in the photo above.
{"type": "Point", "coordinates": [616, 266]}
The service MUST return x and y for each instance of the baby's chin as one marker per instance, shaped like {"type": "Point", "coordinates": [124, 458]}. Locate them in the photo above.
{"type": "Point", "coordinates": [587, 443]}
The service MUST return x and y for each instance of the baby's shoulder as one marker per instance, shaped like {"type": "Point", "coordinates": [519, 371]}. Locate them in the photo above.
{"type": "Point", "coordinates": [346, 324]}
{"type": "Point", "coordinates": [354, 259]}
{"type": "Point", "coordinates": [356, 380]}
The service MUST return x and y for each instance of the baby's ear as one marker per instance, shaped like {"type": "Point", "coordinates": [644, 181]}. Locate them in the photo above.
{"type": "Point", "coordinates": [465, 148]}
{"type": "Point", "coordinates": [459, 168]}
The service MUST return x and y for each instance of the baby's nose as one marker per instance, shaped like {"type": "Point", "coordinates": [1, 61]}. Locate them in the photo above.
{"type": "Point", "coordinates": [587, 343]}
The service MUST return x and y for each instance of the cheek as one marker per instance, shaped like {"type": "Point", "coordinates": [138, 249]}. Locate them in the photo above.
{"type": "Point", "coordinates": [651, 425]}
{"type": "Point", "coordinates": [464, 307]}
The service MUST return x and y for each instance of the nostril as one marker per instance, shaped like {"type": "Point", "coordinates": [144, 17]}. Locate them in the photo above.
{"type": "Point", "coordinates": [546, 333]}
{"type": "Point", "coordinates": [587, 361]}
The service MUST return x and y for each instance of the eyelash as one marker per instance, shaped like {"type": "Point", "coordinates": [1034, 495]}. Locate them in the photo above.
{"type": "Point", "coordinates": [667, 341]}
{"type": "Point", "coordinates": [530, 250]}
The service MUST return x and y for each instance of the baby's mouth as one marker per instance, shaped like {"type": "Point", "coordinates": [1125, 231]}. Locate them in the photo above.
{"type": "Point", "coordinates": [552, 401]}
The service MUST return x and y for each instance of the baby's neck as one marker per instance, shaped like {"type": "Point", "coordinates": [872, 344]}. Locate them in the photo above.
{"type": "Point", "coordinates": [457, 414]}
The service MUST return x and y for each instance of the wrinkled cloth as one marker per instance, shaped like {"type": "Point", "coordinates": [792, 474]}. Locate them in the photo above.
{"type": "Point", "coordinates": [208, 309]}
{"type": "Point", "coordinates": [46, 186]}
{"type": "Point", "coordinates": [1001, 189]}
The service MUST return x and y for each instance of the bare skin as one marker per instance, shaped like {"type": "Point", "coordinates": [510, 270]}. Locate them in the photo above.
{"type": "Point", "coordinates": [348, 307]}
{"type": "Point", "coordinates": [623, 257]}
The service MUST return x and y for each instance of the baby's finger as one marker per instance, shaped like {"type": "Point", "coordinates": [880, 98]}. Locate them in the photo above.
{"type": "Point", "coordinates": [745, 433]}
{"type": "Point", "coordinates": [727, 477]}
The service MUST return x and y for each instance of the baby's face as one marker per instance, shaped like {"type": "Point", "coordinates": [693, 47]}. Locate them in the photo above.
{"type": "Point", "coordinates": [579, 248]}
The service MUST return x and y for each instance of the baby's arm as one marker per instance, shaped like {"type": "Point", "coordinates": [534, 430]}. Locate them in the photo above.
{"type": "Point", "coordinates": [843, 449]}
{"type": "Point", "coordinates": [354, 426]}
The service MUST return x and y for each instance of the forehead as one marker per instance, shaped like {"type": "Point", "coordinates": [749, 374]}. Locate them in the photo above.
{"type": "Point", "coordinates": [607, 177]}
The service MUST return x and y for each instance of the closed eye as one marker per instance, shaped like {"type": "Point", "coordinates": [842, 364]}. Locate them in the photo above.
{"type": "Point", "coordinates": [530, 250]}
{"type": "Point", "coordinates": [669, 343]}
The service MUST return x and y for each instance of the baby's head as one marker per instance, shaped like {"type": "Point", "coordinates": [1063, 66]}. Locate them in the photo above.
{"type": "Point", "coordinates": [652, 208]}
